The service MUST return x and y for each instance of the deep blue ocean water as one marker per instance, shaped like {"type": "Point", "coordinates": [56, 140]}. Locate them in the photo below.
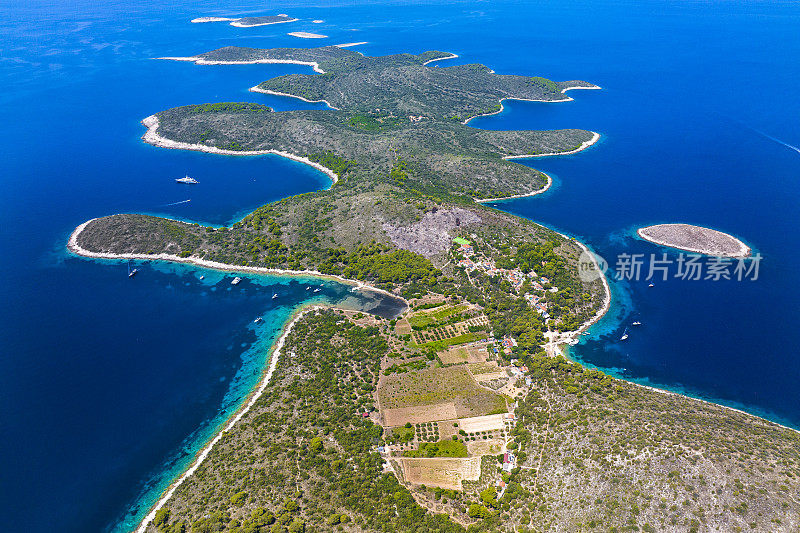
{"type": "Point", "coordinates": [108, 385]}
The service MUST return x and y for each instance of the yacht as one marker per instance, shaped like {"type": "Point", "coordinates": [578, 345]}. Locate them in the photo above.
{"type": "Point", "coordinates": [187, 180]}
{"type": "Point", "coordinates": [637, 323]}
{"type": "Point", "coordinates": [236, 280]}
{"type": "Point", "coordinates": [624, 335]}
{"type": "Point", "coordinates": [274, 295]}
{"type": "Point", "coordinates": [651, 285]}
{"type": "Point", "coordinates": [131, 272]}
{"type": "Point", "coordinates": [258, 320]}
{"type": "Point", "coordinates": [317, 290]}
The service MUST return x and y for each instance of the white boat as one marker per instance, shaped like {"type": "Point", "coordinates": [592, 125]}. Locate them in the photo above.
{"type": "Point", "coordinates": [637, 323]}
{"type": "Point", "coordinates": [187, 180]}
{"type": "Point", "coordinates": [317, 290]}
{"type": "Point", "coordinates": [133, 272]}
{"type": "Point", "coordinates": [651, 285]}
{"type": "Point", "coordinates": [274, 295]}
{"type": "Point", "coordinates": [202, 277]}
{"type": "Point", "coordinates": [624, 335]}
{"type": "Point", "coordinates": [308, 288]}
{"type": "Point", "coordinates": [258, 320]}
{"type": "Point", "coordinates": [236, 280]}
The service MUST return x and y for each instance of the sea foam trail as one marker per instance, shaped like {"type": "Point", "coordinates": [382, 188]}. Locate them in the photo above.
{"type": "Point", "coordinates": [176, 203]}
{"type": "Point", "coordinates": [775, 139]}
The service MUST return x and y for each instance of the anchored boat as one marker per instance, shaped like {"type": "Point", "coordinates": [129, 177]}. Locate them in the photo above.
{"type": "Point", "coordinates": [187, 180]}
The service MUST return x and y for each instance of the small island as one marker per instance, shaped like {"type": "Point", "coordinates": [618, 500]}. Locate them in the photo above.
{"type": "Point", "coordinates": [695, 239]}
{"type": "Point", "coordinates": [307, 35]}
{"type": "Point", "coordinates": [247, 22]}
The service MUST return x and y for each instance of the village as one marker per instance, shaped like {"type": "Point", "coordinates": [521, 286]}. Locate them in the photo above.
{"type": "Point", "coordinates": [477, 262]}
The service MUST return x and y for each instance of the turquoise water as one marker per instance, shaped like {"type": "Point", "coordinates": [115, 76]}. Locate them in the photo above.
{"type": "Point", "coordinates": [109, 385]}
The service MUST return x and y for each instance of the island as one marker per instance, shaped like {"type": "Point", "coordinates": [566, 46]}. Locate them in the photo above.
{"type": "Point", "coordinates": [695, 239]}
{"type": "Point", "coordinates": [307, 35]}
{"type": "Point", "coordinates": [248, 22]}
{"type": "Point", "coordinates": [462, 412]}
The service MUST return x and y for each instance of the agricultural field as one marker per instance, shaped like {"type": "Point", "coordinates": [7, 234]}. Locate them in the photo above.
{"type": "Point", "coordinates": [435, 316]}
{"type": "Point", "coordinates": [435, 394]}
{"type": "Point", "coordinates": [464, 354]}
{"type": "Point", "coordinates": [444, 472]}
{"type": "Point", "coordinates": [486, 371]}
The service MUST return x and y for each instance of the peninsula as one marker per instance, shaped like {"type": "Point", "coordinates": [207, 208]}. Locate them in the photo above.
{"type": "Point", "coordinates": [695, 239]}
{"type": "Point", "coordinates": [462, 412]}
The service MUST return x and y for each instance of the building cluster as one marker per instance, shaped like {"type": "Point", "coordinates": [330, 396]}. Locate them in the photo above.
{"type": "Point", "coordinates": [516, 277]}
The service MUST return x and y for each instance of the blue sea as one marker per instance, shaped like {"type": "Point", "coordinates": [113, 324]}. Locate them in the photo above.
{"type": "Point", "coordinates": [109, 385]}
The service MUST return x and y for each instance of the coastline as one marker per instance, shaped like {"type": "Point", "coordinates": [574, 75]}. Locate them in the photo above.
{"type": "Point", "coordinates": [200, 61]}
{"type": "Point", "coordinates": [307, 35]}
{"type": "Point", "coordinates": [258, 89]}
{"type": "Point", "coordinates": [151, 136]}
{"type": "Point", "coordinates": [601, 312]}
{"type": "Point", "coordinates": [249, 401]}
{"type": "Point", "coordinates": [75, 248]}
{"type": "Point", "coordinates": [247, 404]}
{"type": "Point", "coordinates": [502, 108]}
{"type": "Point", "coordinates": [451, 56]}
{"type": "Point", "coordinates": [534, 193]}
{"type": "Point", "coordinates": [238, 24]}
{"type": "Point", "coordinates": [743, 252]}
{"type": "Point", "coordinates": [584, 145]}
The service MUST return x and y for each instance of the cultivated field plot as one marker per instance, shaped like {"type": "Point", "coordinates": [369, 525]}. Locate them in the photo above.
{"type": "Point", "coordinates": [418, 414]}
{"type": "Point", "coordinates": [435, 394]}
{"type": "Point", "coordinates": [444, 472]}
{"type": "Point", "coordinates": [485, 447]}
{"type": "Point", "coordinates": [464, 354]}
{"type": "Point", "coordinates": [434, 316]}
{"type": "Point", "coordinates": [481, 423]}
{"type": "Point", "coordinates": [402, 327]}
{"type": "Point", "coordinates": [486, 371]}
{"type": "Point", "coordinates": [450, 334]}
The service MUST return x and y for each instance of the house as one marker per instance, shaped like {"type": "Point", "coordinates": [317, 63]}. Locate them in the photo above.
{"type": "Point", "coordinates": [509, 462]}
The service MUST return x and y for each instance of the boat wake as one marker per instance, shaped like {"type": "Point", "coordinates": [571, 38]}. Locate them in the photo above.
{"type": "Point", "coordinates": [176, 203]}
{"type": "Point", "coordinates": [775, 139]}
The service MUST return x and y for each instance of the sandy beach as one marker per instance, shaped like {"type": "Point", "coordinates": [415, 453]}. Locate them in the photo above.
{"type": "Point", "coordinates": [151, 136]}
{"type": "Point", "coordinates": [258, 89]}
{"type": "Point", "coordinates": [200, 61]}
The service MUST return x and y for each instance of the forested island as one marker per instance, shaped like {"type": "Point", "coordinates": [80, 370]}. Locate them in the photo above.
{"type": "Point", "coordinates": [461, 414]}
